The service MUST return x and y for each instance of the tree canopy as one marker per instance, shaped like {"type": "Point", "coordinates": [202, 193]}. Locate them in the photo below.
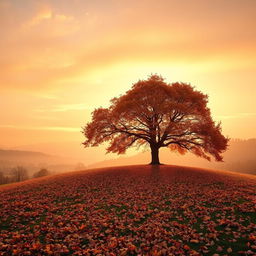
{"type": "Point", "coordinates": [158, 114]}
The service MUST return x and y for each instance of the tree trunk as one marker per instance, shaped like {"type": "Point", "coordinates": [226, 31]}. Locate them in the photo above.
{"type": "Point", "coordinates": [154, 155]}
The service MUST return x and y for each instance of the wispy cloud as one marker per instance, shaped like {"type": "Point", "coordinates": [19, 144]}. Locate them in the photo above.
{"type": "Point", "coordinates": [42, 15]}
{"type": "Point", "coordinates": [239, 115]}
{"type": "Point", "coordinates": [43, 128]}
{"type": "Point", "coordinates": [47, 14]}
{"type": "Point", "coordinates": [58, 43]}
{"type": "Point", "coordinates": [64, 108]}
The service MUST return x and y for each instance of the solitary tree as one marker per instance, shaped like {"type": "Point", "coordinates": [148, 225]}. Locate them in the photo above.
{"type": "Point", "coordinates": [158, 114]}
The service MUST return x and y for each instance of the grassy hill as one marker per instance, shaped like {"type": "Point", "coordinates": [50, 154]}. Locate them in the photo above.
{"type": "Point", "coordinates": [130, 210]}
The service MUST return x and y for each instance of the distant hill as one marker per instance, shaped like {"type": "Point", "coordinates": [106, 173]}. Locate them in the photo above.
{"type": "Point", "coordinates": [21, 155]}
{"type": "Point", "coordinates": [69, 149]}
{"type": "Point", "coordinates": [240, 157]}
{"type": "Point", "coordinates": [33, 161]}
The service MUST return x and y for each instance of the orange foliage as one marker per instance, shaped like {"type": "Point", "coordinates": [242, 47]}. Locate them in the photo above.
{"type": "Point", "coordinates": [158, 114]}
{"type": "Point", "coordinates": [140, 210]}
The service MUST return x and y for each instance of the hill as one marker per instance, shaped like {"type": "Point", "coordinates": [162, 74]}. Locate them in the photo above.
{"type": "Point", "coordinates": [130, 210]}
{"type": "Point", "coordinates": [69, 149]}
{"type": "Point", "coordinates": [24, 156]}
{"type": "Point", "coordinates": [32, 161]}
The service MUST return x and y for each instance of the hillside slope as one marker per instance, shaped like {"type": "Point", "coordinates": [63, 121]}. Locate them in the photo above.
{"type": "Point", "coordinates": [130, 210]}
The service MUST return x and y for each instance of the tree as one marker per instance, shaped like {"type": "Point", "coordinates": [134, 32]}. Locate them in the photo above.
{"type": "Point", "coordinates": [158, 114]}
{"type": "Point", "coordinates": [41, 173]}
{"type": "Point", "coordinates": [19, 173]}
{"type": "Point", "coordinates": [2, 178]}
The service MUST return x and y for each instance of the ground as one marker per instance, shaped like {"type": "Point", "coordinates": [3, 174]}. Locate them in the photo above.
{"type": "Point", "coordinates": [138, 210]}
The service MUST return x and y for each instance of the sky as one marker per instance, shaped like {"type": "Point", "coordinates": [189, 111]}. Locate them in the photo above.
{"type": "Point", "coordinates": [62, 59]}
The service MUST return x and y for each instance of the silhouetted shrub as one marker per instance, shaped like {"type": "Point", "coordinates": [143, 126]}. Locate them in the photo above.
{"type": "Point", "coordinates": [41, 173]}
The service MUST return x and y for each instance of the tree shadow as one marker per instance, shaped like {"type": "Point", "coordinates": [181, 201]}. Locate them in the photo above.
{"type": "Point", "coordinates": [155, 172]}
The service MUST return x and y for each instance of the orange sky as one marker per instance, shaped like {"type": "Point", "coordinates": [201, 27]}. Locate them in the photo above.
{"type": "Point", "coordinates": [61, 59]}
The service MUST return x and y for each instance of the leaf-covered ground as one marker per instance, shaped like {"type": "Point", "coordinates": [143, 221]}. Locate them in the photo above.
{"type": "Point", "coordinates": [139, 210]}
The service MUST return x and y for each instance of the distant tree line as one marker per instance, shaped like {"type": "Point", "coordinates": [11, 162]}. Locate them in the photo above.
{"type": "Point", "coordinates": [20, 173]}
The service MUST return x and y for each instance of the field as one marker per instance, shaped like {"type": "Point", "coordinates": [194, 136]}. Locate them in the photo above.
{"type": "Point", "coordinates": [138, 210]}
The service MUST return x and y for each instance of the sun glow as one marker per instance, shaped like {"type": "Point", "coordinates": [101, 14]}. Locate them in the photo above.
{"type": "Point", "coordinates": [63, 62]}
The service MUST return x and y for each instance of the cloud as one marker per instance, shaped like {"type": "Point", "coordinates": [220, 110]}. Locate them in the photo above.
{"type": "Point", "coordinates": [45, 128]}
{"type": "Point", "coordinates": [236, 116]}
{"type": "Point", "coordinates": [60, 57]}
{"type": "Point", "coordinates": [57, 43]}
{"type": "Point", "coordinates": [51, 22]}
{"type": "Point", "coordinates": [42, 15]}
{"type": "Point", "coordinates": [65, 107]}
